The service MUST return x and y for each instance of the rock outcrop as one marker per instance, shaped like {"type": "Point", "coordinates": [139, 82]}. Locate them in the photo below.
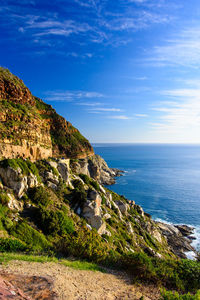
{"type": "Point", "coordinates": [31, 128]}
{"type": "Point", "coordinates": [17, 181]}
{"type": "Point", "coordinates": [178, 237]}
{"type": "Point", "coordinates": [96, 168]}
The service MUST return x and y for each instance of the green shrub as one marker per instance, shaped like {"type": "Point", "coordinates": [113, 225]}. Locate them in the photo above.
{"type": "Point", "coordinates": [79, 195]}
{"type": "Point", "coordinates": [4, 199]}
{"type": "Point", "coordinates": [189, 272]}
{"type": "Point", "coordinates": [5, 221]}
{"type": "Point", "coordinates": [34, 239]}
{"type": "Point", "coordinates": [183, 275]}
{"type": "Point", "coordinates": [85, 178]}
{"type": "Point", "coordinates": [11, 245]}
{"type": "Point", "coordinates": [54, 222]}
{"type": "Point", "coordinates": [167, 295]}
{"type": "Point", "coordinates": [85, 244]}
{"type": "Point", "coordinates": [39, 196]}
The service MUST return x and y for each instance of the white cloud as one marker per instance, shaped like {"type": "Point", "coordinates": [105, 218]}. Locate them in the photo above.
{"type": "Point", "coordinates": [90, 103]}
{"type": "Point", "coordinates": [136, 78]}
{"type": "Point", "coordinates": [141, 115]}
{"type": "Point", "coordinates": [119, 117]}
{"type": "Point", "coordinates": [179, 119]}
{"type": "Point", "coordinates": [106, 109]}
{"type": "Point", "coordinates": [183, 49]}
{"type": "Point", "coordinates": [71, 95]}
{"type": "Point", "coordinates": [101, 27]}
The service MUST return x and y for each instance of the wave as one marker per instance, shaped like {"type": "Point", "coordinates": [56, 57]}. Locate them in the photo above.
{"type": "Point", "coordinates": [196, 234]}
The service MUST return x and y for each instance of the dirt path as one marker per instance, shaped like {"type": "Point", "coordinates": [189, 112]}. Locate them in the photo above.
{"type": "Point", "coordinates": [70, 284]}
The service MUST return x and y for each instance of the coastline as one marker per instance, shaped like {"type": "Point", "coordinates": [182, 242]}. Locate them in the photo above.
{"type": "Point", "coordinates": [180, 237]}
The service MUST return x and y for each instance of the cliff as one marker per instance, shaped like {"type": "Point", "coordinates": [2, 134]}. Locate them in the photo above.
{"type": "Point", "coordinates": [30, 128]}
{"type": "Point", "coordinates": [52, 199]}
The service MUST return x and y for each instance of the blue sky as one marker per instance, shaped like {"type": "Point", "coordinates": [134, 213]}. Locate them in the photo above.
{"type": "Point", "coordinates": [120, 71]}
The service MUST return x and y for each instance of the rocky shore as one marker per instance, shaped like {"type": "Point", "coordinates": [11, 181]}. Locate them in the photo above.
{"type": "Point", "coordinates": [179, 238]}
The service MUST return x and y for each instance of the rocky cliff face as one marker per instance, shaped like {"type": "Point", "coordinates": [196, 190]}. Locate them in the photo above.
{"type": "Point", "coordinates": [121, 224]}
{"type": "Point", "coordinates": [30, 128]}
{"type": "Point", "coordinates": [96, 168]}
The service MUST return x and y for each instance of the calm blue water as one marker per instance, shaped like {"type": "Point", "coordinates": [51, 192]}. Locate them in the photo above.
{"type": "Point", "coordinates": [163, 179]}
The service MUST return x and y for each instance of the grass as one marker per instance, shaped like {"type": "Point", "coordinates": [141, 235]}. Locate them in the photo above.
{"type": "Point", "coordinates": [75, 264]}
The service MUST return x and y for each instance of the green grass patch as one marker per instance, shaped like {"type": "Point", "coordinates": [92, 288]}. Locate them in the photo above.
{"type": "Point", "coordinates": [168, 295]}
{"type": "Point", "coordinates": [75, 264]}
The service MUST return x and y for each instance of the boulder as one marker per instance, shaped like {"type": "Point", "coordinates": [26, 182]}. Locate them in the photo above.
{"type": "Point", "coordinates": [102, 189]}
{"type": "Point", "coordinates": [178, 242]}
{"type": "Point", "coordinates": [89, 227]}
{"type": "Point", "coordinates": [98, 223]}
{"type": "Point", "coordinates": [107, 232]}
{"type": "Point", "coordinates": [53, 164]}
{"type": "Point", "coordinates": [107, 216]}
{"type": "Point", "coordinates": [49, 176]}
{"type": "Point", "coordinates": [88, 210]}
{"type": "Point", "coordinates": [14, 179]}
{"type": "Point", "coordinates": [51, 185]}
{"type": "Point", "coordinates": [118, 210]}
{"type": "Point", "coordinates": [32, 180]}
{"type": "Point", "coordinates": [157, 235]}
{"type": "Point", "coordinates": [64, 169]}
{"type": "Point", "coordinates": [123, 207]}
{"type": "Point", "coordinates": [130, 228]}
{"type": "Point", "coordinates": [139, 210]}
{"type": "Point", "coordinates": [13, 204]}
{"type": "Point", "coordinates": [108, 200]}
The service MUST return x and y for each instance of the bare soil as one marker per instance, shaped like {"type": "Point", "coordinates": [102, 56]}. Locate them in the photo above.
{"type": "Point", "coordinates": [54, 281]}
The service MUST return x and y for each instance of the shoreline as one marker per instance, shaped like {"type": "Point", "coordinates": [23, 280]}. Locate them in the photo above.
{"type": "Point", "coordinates": [180, 237]}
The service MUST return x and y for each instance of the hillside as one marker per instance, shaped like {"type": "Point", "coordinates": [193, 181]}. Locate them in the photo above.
{"type": "Point", "coordinates": [31, 127]}
{"type": "Point", "coordinates": [53, 200]}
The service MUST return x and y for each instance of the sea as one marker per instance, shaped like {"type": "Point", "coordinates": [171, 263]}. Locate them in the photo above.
{"type": "Point", "coordinates": [163, 178]}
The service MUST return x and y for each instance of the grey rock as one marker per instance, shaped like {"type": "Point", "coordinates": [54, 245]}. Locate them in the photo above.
{"type": "Point", "coordinates": [18, 182]}
{"type": "Point", "coordinates": [139, 210]}
{"type": "Point", "coordinates": [98, 223]}
{"type": "Point", "coordinates": [107, 232]}
{"type": "Point", "coordinates": [95, 167]}
{"type": "Point", "coordinates": [118, 210]}
{"type": "Point", "coordinates": [89, 227]}
{"type": "Point", "coordinates": [14, 204]}
{"type": "Point", "coordinates": [130, 228]}
{"type": "Point", "coordinates": [51, 185]}
{"type": "Point", "coordinates": [107, 216]}
{"type": "Point", "coordinates": [49, 176]}
{"type": "Point", "coordinates": [64, 169]}
{"type": "Point", "coordinates": [178, 242]}
{"type": "Point", "coordinates": [123, 207]}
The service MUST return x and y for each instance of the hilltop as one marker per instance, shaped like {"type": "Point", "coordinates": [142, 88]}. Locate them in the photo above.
{"type": "Point", "coordinates": [32, 128]}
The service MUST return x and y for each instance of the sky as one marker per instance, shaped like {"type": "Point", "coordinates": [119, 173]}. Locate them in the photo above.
{"type": "Point", "coordinates": [121, 71]}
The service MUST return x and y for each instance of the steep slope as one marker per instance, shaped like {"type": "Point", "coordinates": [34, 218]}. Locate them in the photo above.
{"type": "Point", "coordinates": [32, 129]}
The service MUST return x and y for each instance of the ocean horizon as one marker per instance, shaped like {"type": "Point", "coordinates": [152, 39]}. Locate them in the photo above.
{"type": "Point", "coordinates": [163, 178]}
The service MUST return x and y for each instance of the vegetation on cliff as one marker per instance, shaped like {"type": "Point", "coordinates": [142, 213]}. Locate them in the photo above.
{"type": "Point", "coordinates": [59, 206]}
{"type": "Point", "coordinates": [63, 213]}
{"type": "Point", "coordinates": [27, 119]}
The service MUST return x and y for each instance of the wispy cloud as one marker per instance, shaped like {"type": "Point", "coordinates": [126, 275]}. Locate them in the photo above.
{"type": "Point", "coordinates": [119, 117]}
{"type": "Point", "coordinates": [179, 117]}
{"type": "Point", "coordinates": [181, 49]}
{"type": "Point", "coordinates": [103, 109]}
{"type": "Point", "coordinates": [71, 95]}
{"type": "Point", "coordinates": [94, 21]}
{"type": "Point", "coordinates": [141, 115]}
{"type": "Point", "coordinates": [90, 103]}
{"type": "Point", "coordinates": [136, 78]}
